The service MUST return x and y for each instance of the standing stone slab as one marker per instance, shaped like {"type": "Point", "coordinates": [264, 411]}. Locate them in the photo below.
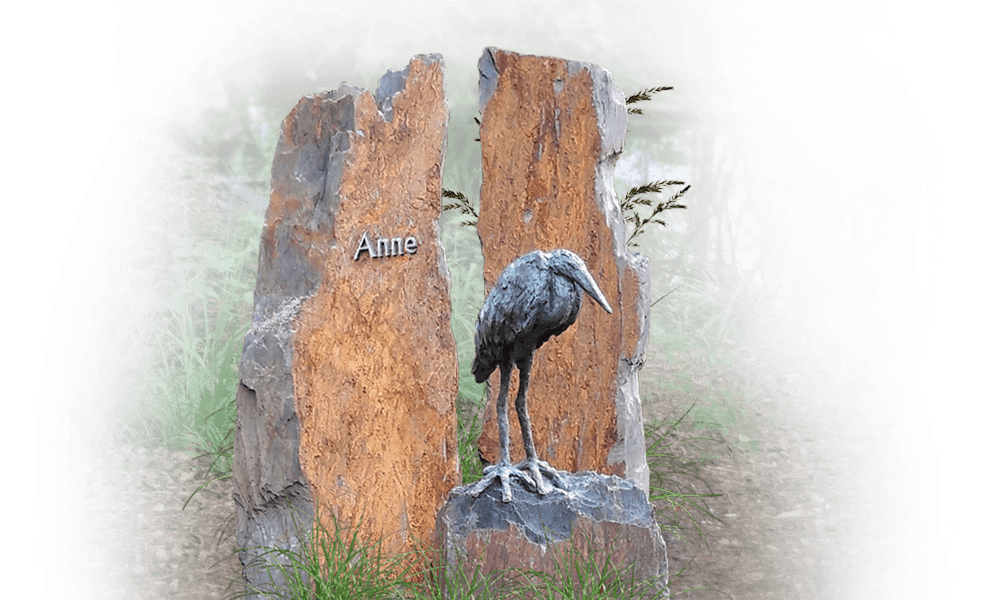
{"type": "Point", "coordinates": [551, 132]}
{"type": "Point", "coordinates": [349, 372]}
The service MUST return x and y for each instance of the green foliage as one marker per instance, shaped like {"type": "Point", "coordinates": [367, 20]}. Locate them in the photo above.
{"type": "Point", "coordinates": [202, 257]}
{"type": "Point", "coordinates": [200, 341]}
{"type": "Point", "coordinates": [644, 95]}
{"type": "Point", "coordinates": [192, 277]}
{"type": "Point", "coordinates": [463, 205]}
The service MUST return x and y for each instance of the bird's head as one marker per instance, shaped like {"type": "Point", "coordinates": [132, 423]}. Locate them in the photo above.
{"type": "Point", "coordinates": [569, 265]}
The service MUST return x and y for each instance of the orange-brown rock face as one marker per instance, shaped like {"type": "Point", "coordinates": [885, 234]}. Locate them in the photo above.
{"type": "Point", "coordinates": [349, 373]}
{"type": "Point", "coordinates": [551, 132]}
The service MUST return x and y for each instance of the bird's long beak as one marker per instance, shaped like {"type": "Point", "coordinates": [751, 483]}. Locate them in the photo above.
{"type": "Point", "coordinates": [583, 279]}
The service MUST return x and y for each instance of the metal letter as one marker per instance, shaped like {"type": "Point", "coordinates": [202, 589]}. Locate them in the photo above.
{"type": "Point", "coordinates": [411, 245]}
{"type": "Point", "coordinates": [365, 246]}
{"type": "Point", "coordinates": [397, 246]}
{"type": "Point", "coordinates": [383, 247]}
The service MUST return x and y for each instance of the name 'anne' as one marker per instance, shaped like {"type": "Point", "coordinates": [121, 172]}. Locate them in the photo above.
{"type": "Point", "coordinates": [384, 247]}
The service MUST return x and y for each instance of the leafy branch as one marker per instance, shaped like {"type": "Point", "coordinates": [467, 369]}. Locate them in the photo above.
{"type": "Point", "coordinates": [644, 95]}
{"type": "Point", "coordinates": [640, 196]}
{"type": "Point", "coordinates": [454, 200]}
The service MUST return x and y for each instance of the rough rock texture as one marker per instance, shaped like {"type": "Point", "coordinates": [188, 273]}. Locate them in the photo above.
{"type": "Point", "coordinates": [599, 515]}
{"type": "Point", "coordinates": [552, 130]}
{"type": "Point", "coordinates": [349, 372]}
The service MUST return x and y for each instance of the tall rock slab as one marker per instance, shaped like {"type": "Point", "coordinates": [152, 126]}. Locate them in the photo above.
{"type": "Point", "coordinates": [349, 372]}
{"type": "Point", "coordinates": [552, 130]}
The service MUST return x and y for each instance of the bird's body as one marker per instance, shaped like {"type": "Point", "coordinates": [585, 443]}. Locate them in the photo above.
{"type": "Point", "coordinates": [535, 298]}
{"type": "Point", "coordinates": [538, 303]}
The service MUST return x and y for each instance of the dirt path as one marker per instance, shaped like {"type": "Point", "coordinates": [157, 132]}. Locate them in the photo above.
{"type": "Point", "coordinates": [802, 506]}
{"type": "Point", "coordinates": [760, 537]}
{"type": "Point", "coordinates": [144, 544]}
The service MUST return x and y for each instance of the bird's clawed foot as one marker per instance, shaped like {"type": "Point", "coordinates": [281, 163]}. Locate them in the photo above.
{"type": "Point", "coordinates": [536, 468]}
{"type": "Point", "coordinates": [529, 471]}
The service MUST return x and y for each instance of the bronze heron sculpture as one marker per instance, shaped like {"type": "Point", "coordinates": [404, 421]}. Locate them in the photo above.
{"type": "Point", "coordinates": [536, 297]}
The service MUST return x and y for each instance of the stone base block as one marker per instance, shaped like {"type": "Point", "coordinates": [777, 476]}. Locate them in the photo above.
{"type": "Point", "coordinates": [602, 521]}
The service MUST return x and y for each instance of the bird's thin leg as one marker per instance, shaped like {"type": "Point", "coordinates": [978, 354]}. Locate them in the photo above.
{"type": "Point", "coordinates": [503, 469]}
{"type": "Point", "coordinates": [534, 466]}
{"type": "Point", "coordinates": [521, 405]}
{"type": "Point", "coordinates": [502, 419]}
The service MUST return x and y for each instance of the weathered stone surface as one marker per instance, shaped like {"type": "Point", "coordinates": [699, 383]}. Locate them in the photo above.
{"type": "Point", "coordinates": [599, 516]}
{"type": "Point", "coordinates": [551, 133]}
{"type": "Point", "coordinates": [349, 372]}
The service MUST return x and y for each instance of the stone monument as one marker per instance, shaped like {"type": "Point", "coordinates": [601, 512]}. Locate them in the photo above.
{"type": "Point", "coordinates": [551, 132]}
{"type": "Point", "coordinates": [346, 402]}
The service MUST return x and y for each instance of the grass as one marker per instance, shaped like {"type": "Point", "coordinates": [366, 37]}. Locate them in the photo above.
{"type": "Point", "coordinates": [189, 374]}
{"type": "Point", "coordinates": [341, 565]}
